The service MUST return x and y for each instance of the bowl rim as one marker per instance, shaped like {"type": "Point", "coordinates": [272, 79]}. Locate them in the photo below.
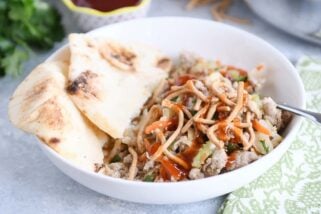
{"type": "Point", "coordinates": [90, 11]}
{"type": "Point", "coordinates": [296, 121]}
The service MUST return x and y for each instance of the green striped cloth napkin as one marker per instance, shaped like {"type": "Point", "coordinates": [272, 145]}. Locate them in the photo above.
{"type": "Point", "coordinates": [293, 185]}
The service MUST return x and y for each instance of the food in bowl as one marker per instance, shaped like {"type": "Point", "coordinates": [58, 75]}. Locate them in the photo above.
{"type": "Point", "coordinates": [206, 118]}
{"type": "Point", "coordinates": [123, 110]}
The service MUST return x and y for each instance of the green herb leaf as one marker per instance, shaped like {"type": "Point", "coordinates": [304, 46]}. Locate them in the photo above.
{"type": "Point", "coordinates": [6, 45]}
{"type": "Point", "coordinates": [25, 25]}
{"type": "Point", "coordinates": [12, 62]}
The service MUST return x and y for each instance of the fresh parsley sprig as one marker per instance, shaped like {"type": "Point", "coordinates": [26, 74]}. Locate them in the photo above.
{"type": "Point", "coordinates": [25, 25]}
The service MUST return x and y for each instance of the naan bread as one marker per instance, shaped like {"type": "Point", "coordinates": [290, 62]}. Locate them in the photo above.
{"type": "Point", "coordinates": [41, 106]}
{"type": "Point", "coordinates": [110, 81]}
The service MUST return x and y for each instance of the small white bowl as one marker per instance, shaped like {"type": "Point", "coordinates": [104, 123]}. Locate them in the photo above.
{"type": "Point", "coordinates": [211, 40]}
{"type": "Point", "coordinates": [88, 18]}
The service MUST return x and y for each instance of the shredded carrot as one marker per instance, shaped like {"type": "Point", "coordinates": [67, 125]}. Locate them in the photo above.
{"type": "Point", "coordinates": [151, 148]}
{"type": "Point", "coordinates": [237, 131]}
{"type": "Point", "coordinates": [163, 173]}
{"type": "Point", "coordinates": [176, 159]}
{"type": "Point", "coordinates": [158, 125]}
{"type": "Point", "coordinates": [230, 160]}
{"type": "Point", "coordinates": [220, 132]}
{"type": "Point", "coordinates": [222, 124]}
{"type": "Point", "coordinates": [260, 128]}
{"type": "Point", "coordinates": [142, 157]}
{"type": "Point", "coordinates": [147, 145]}
{"type": "Point", "coordinates": [154, 147]}
{"type": "Point", "coordinates": [247, 85]}
{"type": "Point", "coordinates": [183, 79]}
{"type": "Point", "coordinates": [260, 67]}
{"type": "Point", "coordinates": [222, 135]}
{"type": "Point", "coordinates": [223, 72]}
{"type": "Point", "coordinates": [172, 169]}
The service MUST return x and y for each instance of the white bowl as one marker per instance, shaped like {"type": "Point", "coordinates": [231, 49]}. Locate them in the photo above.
{"type": "Point", "coordinates": [212, 40]}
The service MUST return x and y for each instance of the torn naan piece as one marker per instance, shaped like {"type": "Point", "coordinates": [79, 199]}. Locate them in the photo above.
{"type": "Point", "coordinates": [110, 81]}
{"type": "Point", "coordinates": [41, 106]}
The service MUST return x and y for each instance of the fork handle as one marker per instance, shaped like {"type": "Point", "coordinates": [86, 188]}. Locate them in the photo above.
{"type": "Point", "coordinates": [316, 117]}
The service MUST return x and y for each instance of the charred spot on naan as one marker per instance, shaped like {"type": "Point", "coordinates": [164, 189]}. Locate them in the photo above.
{"type": "Point", "coordinates": [164, 63]}
{"type": "Point", "coordinates": [54, 140]}
{"type": "Point", "coordinates": [119, 57]}
{"type": "Point", "coordinates": [50, 113]}
{"type": "Point", "coordinates": [39, 88]}
{"type": "Point", "coordinates": [84, 84]}
{"type": "Point", "coordinates": [35, 93]}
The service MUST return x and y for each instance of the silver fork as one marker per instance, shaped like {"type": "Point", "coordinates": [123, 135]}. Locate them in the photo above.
{"type": "Point", "coordinates": [316, 117]}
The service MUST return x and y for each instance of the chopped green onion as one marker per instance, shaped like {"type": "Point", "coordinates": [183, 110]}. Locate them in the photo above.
{"type": "Point", "coordinates": [206, 150]}
{"type": "Point", "coordinates": [174, 99]}
{"type": "Point", "coordinates": [194, 101]}
{"type": "Point", "coordinates": [265, 147]}
{"type": "Point", "coordinates": [215, 116]}
{"type": "Point", "coordinates": [231, 147]}
{"type": "Point", "coordinates": [193, 112]}
{"type": "Point", "coordinates": [149, 177]}
{"type": "Point", "coordinates": [255, 97]}
{"type": "Point", "coordinates": [242, 78]}
{"type": "Point", "coordinates": [115, 159]}
{"type": "Point", "coordinates": [171, 147]}
{"type": "Point", "coordinates": [235, 75]}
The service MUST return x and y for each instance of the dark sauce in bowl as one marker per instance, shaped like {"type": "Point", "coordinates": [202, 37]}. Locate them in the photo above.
{"type": "Point", "coordinates": [106, 5]}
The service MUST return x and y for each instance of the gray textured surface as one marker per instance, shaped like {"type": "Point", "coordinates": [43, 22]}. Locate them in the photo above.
{"type": "Point", "coordinates": [29, 183]}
